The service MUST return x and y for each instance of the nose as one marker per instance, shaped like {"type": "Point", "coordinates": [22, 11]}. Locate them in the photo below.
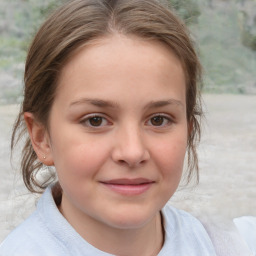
{"type": "Point", "coordinates": [129, 148]}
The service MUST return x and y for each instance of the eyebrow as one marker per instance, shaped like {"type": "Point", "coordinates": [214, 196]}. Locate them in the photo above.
{"type": "Point", "coordinates": [95, 102]}
{"type": "Point", "coordinates": [109, 104]}
{"type": "Point", "coordinates": [162, 103]}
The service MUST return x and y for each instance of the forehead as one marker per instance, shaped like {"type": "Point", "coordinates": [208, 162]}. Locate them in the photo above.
{"type": "Point", "coordinates": [108, 46]}
{"type": "Point", "coordinates": [118, 59]}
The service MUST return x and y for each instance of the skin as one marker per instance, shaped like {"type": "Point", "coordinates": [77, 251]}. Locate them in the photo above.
{"type": "Point", "coordinates": [119, 113]}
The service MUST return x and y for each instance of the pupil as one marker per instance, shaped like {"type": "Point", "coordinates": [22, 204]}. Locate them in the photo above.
{"type": "Point", "coordinates": [157, 120]}
{"type": "Point", "coordinates": [96, 121]}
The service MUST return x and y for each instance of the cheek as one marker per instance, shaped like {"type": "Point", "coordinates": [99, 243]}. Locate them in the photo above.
{"type": "Point", "coordinates": [76, 157]}
{"type": "Point", "coordinates": [170, 156]}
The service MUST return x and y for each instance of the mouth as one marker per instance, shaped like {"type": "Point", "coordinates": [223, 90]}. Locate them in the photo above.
{"type": "Point", "coordinates": [129, 187]}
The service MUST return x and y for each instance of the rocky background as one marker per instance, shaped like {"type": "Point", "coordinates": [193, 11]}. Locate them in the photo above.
{"type": "Point", "coordinates": [224, 31]}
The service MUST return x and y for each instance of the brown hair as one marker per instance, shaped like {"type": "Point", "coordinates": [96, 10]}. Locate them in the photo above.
{"type": "Point", "coordinates": [74, 25]}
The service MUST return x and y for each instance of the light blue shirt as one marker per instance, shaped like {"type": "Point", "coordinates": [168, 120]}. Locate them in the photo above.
{"type": "Point", "coordinates": [47, 233]}
{"type": "Point", "coordinates": [247, 228]}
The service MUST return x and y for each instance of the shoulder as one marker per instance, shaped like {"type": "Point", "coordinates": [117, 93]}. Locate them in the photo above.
{"type": "Point", "coordinates": [185, 234]}
{"type": "Point", "coordinates": [246, 226]}
{"type": "Point", "coordinates": [46, 233]}
{"type": "Point", "coordinates": [31, 238]}
{"type": "Point", "coordinates": [209, 235]}
{"type": "Point", "coordinates": [181, 219]}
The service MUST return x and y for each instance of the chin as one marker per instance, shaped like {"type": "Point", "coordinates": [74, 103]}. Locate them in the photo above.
{"type": "Point", "coordinates": [131, 219]}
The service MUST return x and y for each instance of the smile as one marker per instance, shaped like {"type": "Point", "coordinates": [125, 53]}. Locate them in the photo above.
{"type": "Point", "coordinates": [129, 187]}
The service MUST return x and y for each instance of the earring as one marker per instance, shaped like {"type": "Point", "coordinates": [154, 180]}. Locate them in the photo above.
{"type": "Point", "coordinates": [44, 157]}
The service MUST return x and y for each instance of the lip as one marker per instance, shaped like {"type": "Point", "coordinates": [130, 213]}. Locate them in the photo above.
{"type": "Point", "coordinates": [129, 187]}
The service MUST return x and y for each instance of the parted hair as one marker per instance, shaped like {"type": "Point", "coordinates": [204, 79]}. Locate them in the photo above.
{"type": "Point", "coordinates": [76, 24]}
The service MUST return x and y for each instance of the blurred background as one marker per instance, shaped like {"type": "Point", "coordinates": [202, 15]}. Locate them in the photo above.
{"type": "Point", "coordinates": [224, 30]}
{"type": "Point", "coordinates": [225, 34]}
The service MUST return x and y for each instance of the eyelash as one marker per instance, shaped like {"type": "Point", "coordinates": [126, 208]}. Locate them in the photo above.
{"type": "Point", "coordinates": [88, 118]}
{"type": "Point", "coordinates": [165, 117]}
{"type": "Point", "coordinates": [85, 121]}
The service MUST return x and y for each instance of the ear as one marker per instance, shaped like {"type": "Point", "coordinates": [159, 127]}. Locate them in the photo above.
{"type": "Point", "coordinates": [39, 138]}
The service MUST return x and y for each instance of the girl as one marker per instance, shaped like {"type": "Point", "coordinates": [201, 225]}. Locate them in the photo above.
{"type": "Point", "coordinates": [111, 101]}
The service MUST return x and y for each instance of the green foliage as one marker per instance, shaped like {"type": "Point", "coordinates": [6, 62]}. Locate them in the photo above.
{"type": "Point", "coordinates": [249, 39]}
{"type": "Point", "coordinates": [188, 10]}
{"type": "Point", "coordinates": [247, 21]}
{"type": "Point", "coordinates": [52, 5]}
{"type": "Point", "coordinates": [22, 19]}
{"type": "Point", "coordinates": [228, 65]}
{"type": "Point", "coordinates": [219, 27]}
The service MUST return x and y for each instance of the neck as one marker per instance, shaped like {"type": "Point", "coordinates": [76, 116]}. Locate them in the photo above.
{"type": "Point", "coordinates": [144, 241]}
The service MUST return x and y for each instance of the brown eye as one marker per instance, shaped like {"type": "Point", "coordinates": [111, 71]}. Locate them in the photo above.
{"type": "Point", "coordinates": [95, 121]}
{"type": "Point", "coordinates": [157, 120]}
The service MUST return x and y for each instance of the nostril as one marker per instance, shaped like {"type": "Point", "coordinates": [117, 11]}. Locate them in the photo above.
{"type": "Point", "coordinates": [132, 153]}
{"type": "Point", "coordinates": [131, 164]}
{"type": "Point", "coordinates": [122, 162]}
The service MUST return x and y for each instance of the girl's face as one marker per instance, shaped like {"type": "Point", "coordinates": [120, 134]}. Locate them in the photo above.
{"type": "Point", "coordinates": [118, 132]}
